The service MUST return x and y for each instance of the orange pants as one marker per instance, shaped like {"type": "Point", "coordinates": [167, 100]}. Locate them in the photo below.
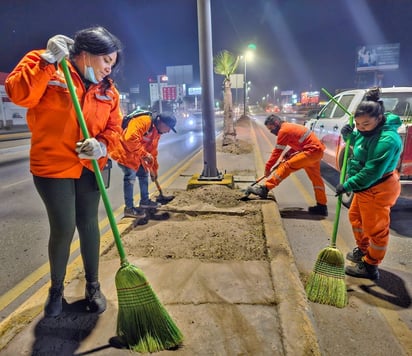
{"type": "Point", "coordinates": [369, 215]}
{"type": "Point", "coordinates": [310, 162]}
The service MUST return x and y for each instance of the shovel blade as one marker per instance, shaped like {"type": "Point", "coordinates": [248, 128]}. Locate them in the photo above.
{"type": "Point", "coordinates": [164, 199]}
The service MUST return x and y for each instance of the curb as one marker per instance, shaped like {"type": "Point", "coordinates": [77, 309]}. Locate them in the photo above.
{"type": "Point", "coordinates": [298, 333]}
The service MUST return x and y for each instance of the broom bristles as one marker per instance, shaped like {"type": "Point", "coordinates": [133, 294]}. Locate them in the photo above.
{"type": "Point", "coordinates": [142, 321]}
{"type": "Point", "coordinates": [326, 284]}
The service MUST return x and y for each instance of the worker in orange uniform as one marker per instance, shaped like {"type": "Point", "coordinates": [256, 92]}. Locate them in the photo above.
{"type": "Point", "coordinates": [308, 154]}
{"type": "Point", "coordinates": [136, 156]}
{"type": "Point", "coordinates": [373, 177]}
{"type": "Point", "coordinates": [60, 157]}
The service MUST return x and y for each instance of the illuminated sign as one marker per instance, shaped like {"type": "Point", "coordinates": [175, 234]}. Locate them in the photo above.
{"type": "Point", "coordinates": [169, 92]}
{"type": "Point", "coordinates": [195, 91]}
{"type": "Point", "coordinates": [309, 97]}
{"type": "Point", "coordinates": [378, 57]}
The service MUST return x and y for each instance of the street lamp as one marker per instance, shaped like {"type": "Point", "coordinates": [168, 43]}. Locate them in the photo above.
{"type": "Point", "coordinates": [248, 55]}
{"type": "Point", "coordinates": [274, 94]}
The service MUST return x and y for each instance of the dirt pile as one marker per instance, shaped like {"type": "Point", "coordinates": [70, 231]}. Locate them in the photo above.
{"type": "Point", "coordinates": [208, 222]}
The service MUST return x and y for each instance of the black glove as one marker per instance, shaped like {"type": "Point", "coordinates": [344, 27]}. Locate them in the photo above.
{"type": "Point", "coordinates": [339, 190]}
{"type": "Point", "coordinates": [346, 130]}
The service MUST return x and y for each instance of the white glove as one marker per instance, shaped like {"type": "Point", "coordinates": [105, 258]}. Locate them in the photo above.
{"type": "Point", "coordinates": [90, 148]}
{"type": "Point", "coordinates": [57, 48]}
{"type": "Point", "coordinates": [148, 159]}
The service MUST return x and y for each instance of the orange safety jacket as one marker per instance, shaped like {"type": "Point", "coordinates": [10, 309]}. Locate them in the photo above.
{"type": "Point", "coordinates": [139, 138]}
{"type": "Point", "coordinates": [298, 137]}
{"type": "Point", "coordinates": [52, 119]}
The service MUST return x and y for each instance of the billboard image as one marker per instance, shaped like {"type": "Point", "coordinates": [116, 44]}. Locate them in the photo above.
{"type": "Point", "coordinates": [378, 57]}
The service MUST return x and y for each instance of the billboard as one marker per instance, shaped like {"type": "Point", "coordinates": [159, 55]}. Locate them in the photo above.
{"type": "Point", "coordinates": [180, 74]}
{"type": "Point", "coordinates": [378, 57]}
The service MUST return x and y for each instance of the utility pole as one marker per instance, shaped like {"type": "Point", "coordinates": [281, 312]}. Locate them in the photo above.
{"type": "Point", "coordinates": [210, 171]}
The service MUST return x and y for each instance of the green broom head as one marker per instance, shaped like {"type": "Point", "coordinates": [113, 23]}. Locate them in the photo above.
{"type": "Point", "coordinates": [326, 284]}
{"type": "Point", "coordinates": [142, 322]}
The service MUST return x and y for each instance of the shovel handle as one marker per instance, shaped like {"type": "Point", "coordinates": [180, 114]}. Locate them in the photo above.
{"type": "Point", "coordinates": [158, 186]}
{"type": "Point", "coordinates": [257, 180]}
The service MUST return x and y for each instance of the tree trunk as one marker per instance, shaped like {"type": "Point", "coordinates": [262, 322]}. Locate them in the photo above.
{"type": "Point", "coordinates": [229, 131]}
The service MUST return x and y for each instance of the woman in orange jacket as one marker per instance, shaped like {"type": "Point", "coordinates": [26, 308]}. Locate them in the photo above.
{"type": "Point", "coordinates": [308, 152]}
{"type": "Point", "coordinates": [60, 158]}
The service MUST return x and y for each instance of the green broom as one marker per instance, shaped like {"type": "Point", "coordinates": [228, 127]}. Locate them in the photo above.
{"type": "Point", "coordinates": [326, 284]}
{"type": "Point", "coordinates": [142, 322]}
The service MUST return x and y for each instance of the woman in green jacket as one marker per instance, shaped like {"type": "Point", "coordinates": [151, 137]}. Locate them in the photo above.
{"type": "Point", "coordinates": [373, 177]}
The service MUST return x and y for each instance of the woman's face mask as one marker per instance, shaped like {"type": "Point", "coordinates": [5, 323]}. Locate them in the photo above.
{"type": "Point", "coordinates": [89, 73]}
{"type": "Point", "coordinates": [368, 126]}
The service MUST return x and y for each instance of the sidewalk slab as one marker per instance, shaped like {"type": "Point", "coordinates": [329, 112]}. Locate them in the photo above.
{"type": "Point", "coordinates": [221, 308]}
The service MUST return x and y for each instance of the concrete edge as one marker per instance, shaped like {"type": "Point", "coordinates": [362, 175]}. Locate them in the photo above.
{"type": "Point", "coordinates": [296, 319]}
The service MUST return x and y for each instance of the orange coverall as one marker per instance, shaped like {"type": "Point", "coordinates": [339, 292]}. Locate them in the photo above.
{"type": "Point", "coordinates": [370, 219]}
{"type": "Point", "coordinates": [310, 152]}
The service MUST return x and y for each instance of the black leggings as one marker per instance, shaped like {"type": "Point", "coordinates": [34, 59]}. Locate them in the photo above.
{"type": "Point", "coordinates": [71, 203]}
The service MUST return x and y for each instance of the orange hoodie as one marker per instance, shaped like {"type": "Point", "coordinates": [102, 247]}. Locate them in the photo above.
{"type": "Point", "coordinates": [138, 139]}
{"type": "Point", "coordinates": [52, 119]}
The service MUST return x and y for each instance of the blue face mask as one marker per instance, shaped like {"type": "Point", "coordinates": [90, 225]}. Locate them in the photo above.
{"type": "Point", "coordinates": [89, 74]}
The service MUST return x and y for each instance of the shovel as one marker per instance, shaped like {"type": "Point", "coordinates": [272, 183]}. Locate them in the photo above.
{"type": "Point", "coordinates": [281, 159]}
{"type": "Point", "coordinates": [246, 196]}
{"type": "Point", "coordinates": [162, 199]}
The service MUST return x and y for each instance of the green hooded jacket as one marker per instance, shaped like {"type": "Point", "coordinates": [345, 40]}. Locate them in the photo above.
{"type": "Point", "coordinates": [374, 156]}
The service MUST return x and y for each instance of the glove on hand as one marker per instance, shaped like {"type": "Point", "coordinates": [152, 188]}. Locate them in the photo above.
{"type": "Point", "coordinates": [148, 159]}
{"type": "Point", "coordinates": [339, 190]}
{"type": "Point", "coordinates": [90, 148]}
{"type": "Point", "coordinates": [57, 48]}
{"type": "Point", "coordinates": [346, 130]}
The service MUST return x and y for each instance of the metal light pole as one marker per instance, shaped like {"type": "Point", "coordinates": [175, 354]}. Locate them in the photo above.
{"type": "Point", "coordinates": [249, 54]}
{"type": "Point", "coordinates": [159, 91]}
{"type": "Point", "coordinates": [244, 87]}
{"type": "Point", "coordinates": [210, 171]}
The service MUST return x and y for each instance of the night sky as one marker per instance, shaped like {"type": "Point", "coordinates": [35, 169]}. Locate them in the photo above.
{"type": "Point", "coordinates": [301, 44]}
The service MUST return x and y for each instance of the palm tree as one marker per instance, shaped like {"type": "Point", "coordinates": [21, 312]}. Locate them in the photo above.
{"type": "Point", "coordinates": [225, 63]}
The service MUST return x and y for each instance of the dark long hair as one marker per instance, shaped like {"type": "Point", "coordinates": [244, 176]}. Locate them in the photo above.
{"type": "Point", "coordinates": [97, 41]}
{"type": "Point", "coordinates": [372, 105]}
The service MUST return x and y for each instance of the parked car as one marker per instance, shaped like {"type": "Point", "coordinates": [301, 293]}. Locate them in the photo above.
{"type": "Point", "coordinates": [189, 121]}
{"type": "Point", "coordinates": [332, 118]}
{"type": "Point", "coordinates": [272, 108]}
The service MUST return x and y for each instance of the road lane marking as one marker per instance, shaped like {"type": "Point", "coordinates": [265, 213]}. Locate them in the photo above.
{"type": "Point", "coordinates": [15, 183]}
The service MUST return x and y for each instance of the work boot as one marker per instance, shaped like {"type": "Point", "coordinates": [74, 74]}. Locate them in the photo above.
{"type": "Point", "coordinates": [54, 303]}
{"type": "Point", "coordinates": [259, 190]}
{"type": "Point", "coordinates": [355, 255]}
{"type": "Point", "coordinates": [319, 209]}
{"type": "Point", "coordinates": [363, 270]}
{"type": "Point", "coordinates": [149, 204]}
{"type": "Point", "coordinates": [133, 213]}
{"type": "Point", "coordinates": [95, 298]}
